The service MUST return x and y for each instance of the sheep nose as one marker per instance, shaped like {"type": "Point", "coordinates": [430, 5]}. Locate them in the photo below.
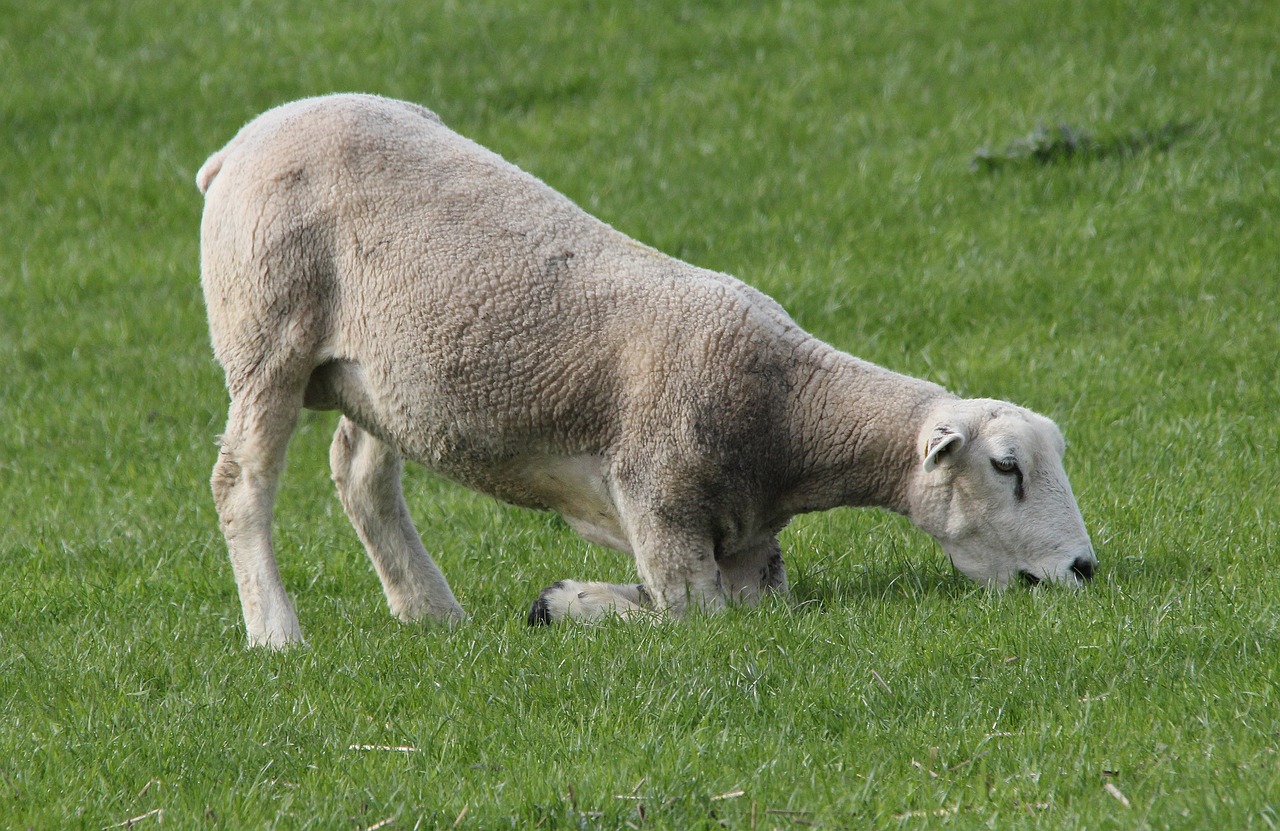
{"type": "Point", "coordinates": [1083, 568]}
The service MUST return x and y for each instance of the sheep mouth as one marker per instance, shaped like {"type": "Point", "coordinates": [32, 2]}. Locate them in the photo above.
{"type": "Point", "coordinates": [1081, 574]}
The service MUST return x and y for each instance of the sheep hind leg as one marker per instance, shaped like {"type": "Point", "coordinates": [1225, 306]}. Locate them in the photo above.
{"type": "Point", "coordinates": [367, 472]}
{"type": "Point", "coordinates": [244, 482]}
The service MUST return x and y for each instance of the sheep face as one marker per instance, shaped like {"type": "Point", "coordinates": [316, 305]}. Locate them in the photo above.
{"type": "Point", "coordinates": [993, 491]}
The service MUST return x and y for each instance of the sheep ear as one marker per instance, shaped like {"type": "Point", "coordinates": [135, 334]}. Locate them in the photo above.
{"type": "Point", "coordinates": [944, 439]}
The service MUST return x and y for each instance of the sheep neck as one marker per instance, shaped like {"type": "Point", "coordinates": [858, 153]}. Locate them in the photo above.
{"type": "Point", "coordinates": [855, 431]}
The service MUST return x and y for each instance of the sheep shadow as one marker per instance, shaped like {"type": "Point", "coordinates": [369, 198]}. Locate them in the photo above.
{"type": "Point", "coordinates": [879, 584]}
{"type": "Point", "coordinates": [1052, 145]}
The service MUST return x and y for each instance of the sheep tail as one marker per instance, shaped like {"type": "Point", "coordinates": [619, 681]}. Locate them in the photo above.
{"type": "Point", "coordinates": [204, 177]}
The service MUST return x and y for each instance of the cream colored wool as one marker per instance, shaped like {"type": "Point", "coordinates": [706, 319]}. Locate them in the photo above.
{"type": "Point", "coordinates": [358, 255]}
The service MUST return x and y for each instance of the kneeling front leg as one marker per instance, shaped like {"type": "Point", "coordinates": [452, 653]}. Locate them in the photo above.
{"type": "Point", "coordinates": [677, 566]}
{"type": "Point", "coordinates": [586, 601]}
{"type": "Point", "coordinates": [754, 572]}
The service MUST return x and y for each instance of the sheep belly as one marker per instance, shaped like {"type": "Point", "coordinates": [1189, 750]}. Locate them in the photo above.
{"type": "Point", "coordinates": [572, 486]}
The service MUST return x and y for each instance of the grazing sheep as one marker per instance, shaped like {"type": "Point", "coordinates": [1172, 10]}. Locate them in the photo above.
{"type": "Point", "coordinates": [358, 255]}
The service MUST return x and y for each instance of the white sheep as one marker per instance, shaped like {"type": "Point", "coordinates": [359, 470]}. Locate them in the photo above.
{"type": "Point", "coordinates": [358, 255]}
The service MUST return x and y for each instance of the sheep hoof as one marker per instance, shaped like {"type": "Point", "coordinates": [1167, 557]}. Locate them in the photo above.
{"type": "Point", "coordinates": [278, 642]}
{"type": "Point", "coordinates": [451, 616]}
{"type": "Point", "coordinates": [540, 613]}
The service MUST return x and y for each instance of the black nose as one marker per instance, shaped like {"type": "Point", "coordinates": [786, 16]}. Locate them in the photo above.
{"type": "Point", "coordinates": [1083, 568]}
{"type": "Point", "coordinates": [1028, 578]}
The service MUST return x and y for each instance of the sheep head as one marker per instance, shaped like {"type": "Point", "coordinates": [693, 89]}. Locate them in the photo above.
{"type": "Point", "coordinates": [992, 489]}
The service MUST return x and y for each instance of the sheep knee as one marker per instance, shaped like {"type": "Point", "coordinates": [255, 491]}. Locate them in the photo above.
{"type": "Point", "coordinates": [226, 473]}
{"type": "Point", "coordinates": [755, 572]}
{"type": "Point", "coordinates": [341, 452]}
{"type": "Point", "coordinates": [681, 588]}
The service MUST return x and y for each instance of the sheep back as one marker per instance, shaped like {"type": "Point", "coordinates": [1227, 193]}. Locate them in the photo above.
{"type": "Point", "coordinates": [465, 312]}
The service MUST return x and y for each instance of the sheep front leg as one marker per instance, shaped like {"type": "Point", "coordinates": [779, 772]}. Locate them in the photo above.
{"type": "Point", "coordinates": [754, 572]}
{"type": "Point", "coordinates": [675, 558]}
{"type": "Point", "coordinates": [368, 472]}
{"type": "Point", "coordinates": [588, 601]}
{"type": "Point", "coordinates": [244, 489]}
{"type": "Point", "coordinates": [678, 568]}
{"type": "Point", "coordinates": [746, 577]}
{"type": "Point", "coordinates": [679, 572]}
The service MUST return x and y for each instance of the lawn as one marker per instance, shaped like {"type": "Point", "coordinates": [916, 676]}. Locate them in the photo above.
{"type": "Point", "coordinates": [1070, 205]}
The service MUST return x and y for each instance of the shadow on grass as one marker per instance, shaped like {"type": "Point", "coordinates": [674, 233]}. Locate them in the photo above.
{"type": "Point", "coordinates": [1052, 145]}
{"type": "Point", "coordinates": [911, 586]}
{"type": "Point", "coordinates": [881, 585]}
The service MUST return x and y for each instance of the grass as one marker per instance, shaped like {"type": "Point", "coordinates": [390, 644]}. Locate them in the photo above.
{"type": "Point", "coordinates": [823, 153]}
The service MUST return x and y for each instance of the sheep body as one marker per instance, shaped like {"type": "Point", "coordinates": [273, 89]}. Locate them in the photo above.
{"type": "Point", "coordinates": [358, 255]}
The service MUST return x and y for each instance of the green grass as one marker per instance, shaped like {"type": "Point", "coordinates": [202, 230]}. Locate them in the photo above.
{"type": "Point", "coordinates": [821, 151]}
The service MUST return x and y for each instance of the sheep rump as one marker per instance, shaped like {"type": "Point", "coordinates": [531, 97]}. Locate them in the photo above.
{"type": "Point", "coordinates": [358, 255]}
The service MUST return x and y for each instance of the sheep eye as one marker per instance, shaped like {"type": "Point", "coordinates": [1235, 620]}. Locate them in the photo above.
{"type": "Point", "coordinates": [1005, 465]}
{"type": "Point", "coordinates": [1009, 467]}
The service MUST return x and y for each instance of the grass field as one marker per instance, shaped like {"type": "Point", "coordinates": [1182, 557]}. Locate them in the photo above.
{"type": "Point", "coordinates": [898, 177]}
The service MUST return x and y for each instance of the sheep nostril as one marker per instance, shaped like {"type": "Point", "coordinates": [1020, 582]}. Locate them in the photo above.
{"type": "Point", "coordinates": [1083, 568]}
{"type": "Point", "coordinates": [1028, 578]}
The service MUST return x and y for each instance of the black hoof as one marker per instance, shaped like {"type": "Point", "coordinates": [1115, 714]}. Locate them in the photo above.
{"type": "Point", "coordinates": [540, 612]}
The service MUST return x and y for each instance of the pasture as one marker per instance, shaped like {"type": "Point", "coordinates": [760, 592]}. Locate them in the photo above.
{"type": "Point", "coordinates": [1074, 206]}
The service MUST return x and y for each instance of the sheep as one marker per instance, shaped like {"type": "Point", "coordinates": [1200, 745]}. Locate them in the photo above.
{"type": "Point", "coordinates": [357, 255]}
